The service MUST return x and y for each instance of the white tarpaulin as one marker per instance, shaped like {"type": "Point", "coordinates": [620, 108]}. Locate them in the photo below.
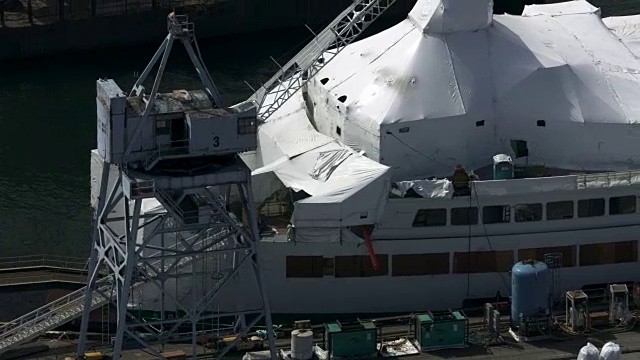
{"type": "Point", "coordinates": [627, 29]}
{"type": "Point", "coordinates": [448, 86]}
{"type": "Point", "coordinates": [345, 187]}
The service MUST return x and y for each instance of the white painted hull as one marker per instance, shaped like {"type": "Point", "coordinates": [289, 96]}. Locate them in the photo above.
{"type": "Point", "coordinates": [394, 294]}
{"type": "Point", "coordinates": [417, 293]}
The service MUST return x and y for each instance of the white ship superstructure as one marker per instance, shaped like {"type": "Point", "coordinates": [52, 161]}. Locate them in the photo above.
{"type": "Point", "coordinates": [346, 228]}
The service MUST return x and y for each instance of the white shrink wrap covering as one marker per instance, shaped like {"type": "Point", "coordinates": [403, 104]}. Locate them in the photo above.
{"type": "Point", "coordinates": [610, 351]}
{"type": "Point", "coordinates": [452, 84]}
{"type": "Point", "coordinates": [589, 352]}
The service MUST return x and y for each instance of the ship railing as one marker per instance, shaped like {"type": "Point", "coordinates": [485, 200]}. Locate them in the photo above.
{"type": "Point", "coordinates": [607, 179]}
{"type": "Point", "coordinates": [53, 261]}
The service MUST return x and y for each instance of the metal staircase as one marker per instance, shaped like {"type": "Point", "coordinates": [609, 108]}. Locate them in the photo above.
{"type": "Point", "coordinates": [68, 308]}
{"type": "Point", "coordinates": [50, 316]}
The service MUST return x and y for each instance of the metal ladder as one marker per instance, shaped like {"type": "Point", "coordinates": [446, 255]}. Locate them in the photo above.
{"type": "Point", "coordinates": [106, 324]}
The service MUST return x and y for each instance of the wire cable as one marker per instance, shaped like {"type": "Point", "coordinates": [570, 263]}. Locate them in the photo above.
{"type": "Point", "coordinates": [418, 152]}
{"type": "Point", "coordinates": [474, 194]}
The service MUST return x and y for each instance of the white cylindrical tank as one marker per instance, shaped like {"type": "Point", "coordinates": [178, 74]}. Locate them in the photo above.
{"type": "Point", "coordinates": [301, 344]}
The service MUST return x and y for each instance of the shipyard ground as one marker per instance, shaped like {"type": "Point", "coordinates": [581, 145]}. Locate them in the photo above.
{"type": "Point", "coordinates": [559, 348]}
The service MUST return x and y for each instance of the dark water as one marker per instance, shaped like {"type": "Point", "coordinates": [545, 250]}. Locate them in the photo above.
{"type": "Point", "coordinates": [48, 127]}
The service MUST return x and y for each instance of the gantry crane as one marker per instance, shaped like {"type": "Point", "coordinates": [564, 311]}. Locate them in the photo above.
{"type": "Point", "coordinates": [191, 176]}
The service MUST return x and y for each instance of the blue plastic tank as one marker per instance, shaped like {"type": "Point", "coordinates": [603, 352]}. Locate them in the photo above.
{"type": "Point", "coordinates": [530, 290]}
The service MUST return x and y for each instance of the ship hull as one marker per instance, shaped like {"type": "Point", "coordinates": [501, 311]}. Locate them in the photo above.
{"type": "Point", "coordinates": [405, 294]}
{"type": "Point", "coordinates": [334, 293]}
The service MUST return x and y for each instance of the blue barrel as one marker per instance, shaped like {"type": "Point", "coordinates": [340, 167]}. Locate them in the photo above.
{"type": "Point", "coordinates": [530, 290]}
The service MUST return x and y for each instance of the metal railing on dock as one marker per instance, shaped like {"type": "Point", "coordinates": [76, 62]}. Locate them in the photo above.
{"type": "Point", "coordinates": [41, 277]}
{"type": "Point", "coordinates": [43, 261]}
{"type": "Point", "coordinates": [42, 269]}
{"type": "Point", "coordinates": [25, 13]}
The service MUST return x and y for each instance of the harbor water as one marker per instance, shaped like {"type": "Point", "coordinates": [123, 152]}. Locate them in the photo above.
{"type": "Point", "coordinates": [48, 126]}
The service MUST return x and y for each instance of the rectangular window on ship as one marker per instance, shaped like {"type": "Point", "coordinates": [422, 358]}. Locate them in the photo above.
{"type": "Point", "coordinates": [609, 253]}
{"type": "Point", "coordinates": [464, 216]}
{"type": "Point", "coordinates": [560, 210]}
{"type": "Point", "coordinates": [621, 205]}
{"type": "Point", "coordinates": [528, 212]}
{"type": "Point", "coordinates": [430, 217]}
{"type": "Point", "coordinates": [496, 214]}
{"type": "Point", "coordinates": [568, 254]}
{"type": "Point", "coordinates": [590, 208]}
{"type": "Point", "coordinates": [420, 264]}
{"type": "Point", "coordinates": [305, 266]}
{"type": "Point", "coordinates": [360, 266]}
{"type": "Point", "coordinates": [482, 262]}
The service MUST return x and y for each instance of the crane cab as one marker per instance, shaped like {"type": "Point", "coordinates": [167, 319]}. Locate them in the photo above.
{"type": "Point", "coordinates": [182, 124]}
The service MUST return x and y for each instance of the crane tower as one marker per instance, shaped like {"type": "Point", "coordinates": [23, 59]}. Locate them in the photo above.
{"type": "Point", "coordinates": [175, 153]}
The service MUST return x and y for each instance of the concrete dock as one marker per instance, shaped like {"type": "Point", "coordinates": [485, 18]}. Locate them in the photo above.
{"type": "Point", "coordinates": [561, 347]}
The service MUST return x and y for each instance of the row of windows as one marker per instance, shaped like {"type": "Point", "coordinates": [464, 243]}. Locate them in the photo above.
{"type": "Point", "coordinates": [496, 214]}
{"type": "Point", "coordinates": [245, 126]}
{"type": "Point", "coordinates": [463, 262]}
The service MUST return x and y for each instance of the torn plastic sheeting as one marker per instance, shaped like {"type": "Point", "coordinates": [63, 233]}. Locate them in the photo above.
{"type": "Point", "coordinates": [362, 204]}
{"type": "Point", "coordinates": [328, 162]}
{"type": "Point", "coordinates": [355, 172]}
{"type": "Point", "coordinates": [440, 188]}
{"type": "Point", "coordinates": [288, 132]}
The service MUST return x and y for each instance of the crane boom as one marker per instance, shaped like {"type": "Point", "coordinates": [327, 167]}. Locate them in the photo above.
{"type": "Point", "coordinates": [341, 32]}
